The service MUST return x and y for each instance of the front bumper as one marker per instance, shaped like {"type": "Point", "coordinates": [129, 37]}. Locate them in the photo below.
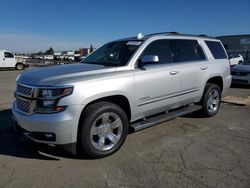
{"type": "Point", "coordinates": [63, 125]}
{"type": "Point", "coordinates": [241, 79]}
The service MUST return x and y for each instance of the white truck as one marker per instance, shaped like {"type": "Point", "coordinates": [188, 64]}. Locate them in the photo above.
{"type": "Point", "coordinates": [8, 60]}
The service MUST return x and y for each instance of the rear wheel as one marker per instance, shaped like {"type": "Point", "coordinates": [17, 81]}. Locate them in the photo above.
{"type": "Point", "coordinates": [19, 66]}
{"type": "Point", "coordinates": [103, 130]}
{"type": "Point", "coordinates": [211, 100]}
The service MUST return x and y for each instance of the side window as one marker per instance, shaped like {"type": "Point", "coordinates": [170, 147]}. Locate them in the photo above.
{"type": "Point", "coordinates": [187, 50]}
{"type": "Point", "coordinates": [162, 49]}
{"type": "Point", "coordinates": [216, 49]}
{"type": "Point", "coordinates": [199, 51]}
{"type": "Point", "coordinates": [8, 55]}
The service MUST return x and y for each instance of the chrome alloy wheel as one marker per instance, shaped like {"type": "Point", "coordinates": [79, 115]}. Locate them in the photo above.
{"type": "Point", "coordinates": [106, 131]}
{"type": "Point", "coordinates": [213, 101]}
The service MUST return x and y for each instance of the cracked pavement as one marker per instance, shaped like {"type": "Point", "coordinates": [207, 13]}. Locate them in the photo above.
{"type": "Point", "coordinates": [185, 152]}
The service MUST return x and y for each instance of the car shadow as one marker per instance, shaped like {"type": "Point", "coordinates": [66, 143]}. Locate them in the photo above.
{"type": "Point", "coordinates": [18, 145]}
{"type": "Point", "coordinates": [195, 115]}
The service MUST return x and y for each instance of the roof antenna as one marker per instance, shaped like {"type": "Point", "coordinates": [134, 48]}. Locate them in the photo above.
{"type": "Point", "coordinates": [140, 36]}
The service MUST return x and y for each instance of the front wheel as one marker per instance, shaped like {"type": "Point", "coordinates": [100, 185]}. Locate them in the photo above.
{"type": "Point", "coordinates": [211, 100]}
{"type": "Point", "coordinates": [103, 129]}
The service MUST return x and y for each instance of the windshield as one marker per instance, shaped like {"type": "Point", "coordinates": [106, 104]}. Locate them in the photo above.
{"type": "Point", "coordinates": [113, 53]}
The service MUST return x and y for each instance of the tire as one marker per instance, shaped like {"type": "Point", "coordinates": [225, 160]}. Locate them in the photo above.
{"type": "Point", "coordinates": [240, 62]}
{"type": "Point", "coordinates": [96, 137]}
{"type": "Point", "coordinates": [19, 66]}
{"type": "Point", "coordinates": [211, 100]}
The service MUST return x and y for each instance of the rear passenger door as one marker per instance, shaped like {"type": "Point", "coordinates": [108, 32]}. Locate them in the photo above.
{"type": "Point", "coordinates": [189, 55]}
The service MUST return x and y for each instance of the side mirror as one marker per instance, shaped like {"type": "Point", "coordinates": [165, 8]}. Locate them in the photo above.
{"type": "Point", "coordinates": [150, 59]}
{"type": "Point", "coordinates": [147, 59]}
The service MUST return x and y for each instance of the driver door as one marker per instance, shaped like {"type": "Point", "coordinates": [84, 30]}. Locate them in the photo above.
{"type": "Point", "coordinates": [158, 85]}
{"type": "Point", "coordinates": [9, 60]}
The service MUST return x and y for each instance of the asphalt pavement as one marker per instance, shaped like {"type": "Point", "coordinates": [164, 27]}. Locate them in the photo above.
{"type": "Point", "coordinates": [188, 151]}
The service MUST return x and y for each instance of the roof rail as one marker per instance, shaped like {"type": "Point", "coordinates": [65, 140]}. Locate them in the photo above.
{"type": "Point", "coordinates": [179, 34]}
{"type": "Point", "coordinates": [163, 33]}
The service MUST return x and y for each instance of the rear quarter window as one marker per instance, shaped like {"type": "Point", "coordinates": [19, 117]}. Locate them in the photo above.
{"type": "Point", "coordinates": [216, 49]}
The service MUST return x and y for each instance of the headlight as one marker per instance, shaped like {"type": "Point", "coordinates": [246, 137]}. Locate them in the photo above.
{"type": "Point", "coordinates": [54, 93]}
{"type": "Point", "coordinates": [48, 98]}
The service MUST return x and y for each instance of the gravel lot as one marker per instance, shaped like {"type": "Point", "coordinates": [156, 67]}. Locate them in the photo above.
{"type": "Point", "coordinates": [185, 152]}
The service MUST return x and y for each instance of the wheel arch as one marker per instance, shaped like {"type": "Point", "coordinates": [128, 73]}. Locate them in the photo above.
{"type": "Point", "coordinates": [120, 100]}
{"type": "Point", "coordinates": [218, 80]}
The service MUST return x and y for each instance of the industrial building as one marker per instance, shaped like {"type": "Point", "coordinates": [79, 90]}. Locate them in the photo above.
{"type": "Point", "coordinates": [237, 44]}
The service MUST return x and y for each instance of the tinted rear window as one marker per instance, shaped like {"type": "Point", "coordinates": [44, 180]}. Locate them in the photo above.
{"type": "Point", "coordinates": [187, 50]}
{"type": "Point", "coordinates": [216, 49]}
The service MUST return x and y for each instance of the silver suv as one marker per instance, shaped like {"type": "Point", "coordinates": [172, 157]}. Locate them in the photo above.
{"type": "Point", "coordinates": [134, 82]}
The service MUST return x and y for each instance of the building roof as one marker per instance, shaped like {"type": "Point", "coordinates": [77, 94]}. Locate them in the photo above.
{"type": "Point", "coordinates": [235, 36]}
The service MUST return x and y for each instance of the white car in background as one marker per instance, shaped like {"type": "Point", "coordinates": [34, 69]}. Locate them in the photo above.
{"type": "Point", "coordinates": [71, 58]}
{"type": "Point", "coordinates": [236, 59]}
{"type": "Point", "coordinates": [48, 57]}
{"type": "Point", "coordinates": [8, 60]}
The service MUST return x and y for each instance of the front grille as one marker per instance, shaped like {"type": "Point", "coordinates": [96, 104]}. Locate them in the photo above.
{"type": "Point", "coordinates": [24, 90]}
{"type": "Point", "coordinates": [23, 105]}
{"type": "Point", "coordinates": [240, 73]}
{"type": "Point", "coordinates": [24, 95]}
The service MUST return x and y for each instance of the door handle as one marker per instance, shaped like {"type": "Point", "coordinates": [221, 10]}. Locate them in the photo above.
{"type": "Point", "coordinates": [174, 72]}
{"type": "Point", "coordinates": [204, 67]}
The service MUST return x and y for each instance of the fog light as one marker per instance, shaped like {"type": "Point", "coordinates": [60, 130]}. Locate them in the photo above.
{"type": "Point", "coordinates": [48, 102]}
{"type": "Point", "coordinates": [49, 135]}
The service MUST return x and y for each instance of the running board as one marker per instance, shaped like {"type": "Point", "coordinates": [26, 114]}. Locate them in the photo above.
{"type": "Point", "coordinates": [157, 119]}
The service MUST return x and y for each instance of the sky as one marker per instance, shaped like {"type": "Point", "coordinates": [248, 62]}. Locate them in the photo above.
{"type": "Point", "coordinates": [33, 25]}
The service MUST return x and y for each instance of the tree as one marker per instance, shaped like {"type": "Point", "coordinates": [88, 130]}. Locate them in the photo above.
{"type": "Point", "coordinates": [40, 53]}
{"type": "Point", "coordinates": [81, 51]}
{"type": "Point", "coordinates": [91, 49]}
{"type": "Point", "coordinates": [50, 51]}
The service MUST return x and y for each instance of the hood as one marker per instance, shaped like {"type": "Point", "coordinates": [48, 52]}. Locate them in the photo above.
{"type": "Point", "coordinates": [52, 75]}
{"type": "Point", "coordinates": [241, 68]}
